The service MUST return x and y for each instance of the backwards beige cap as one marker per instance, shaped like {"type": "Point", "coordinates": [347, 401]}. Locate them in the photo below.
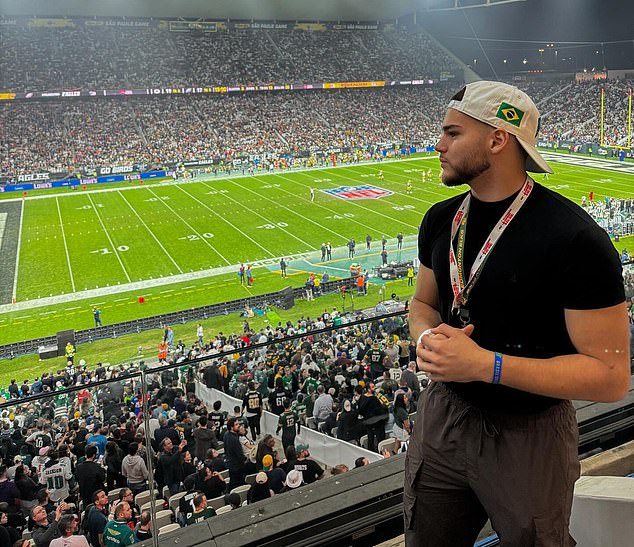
{"type": "Point", "coordinates": [504, 106]}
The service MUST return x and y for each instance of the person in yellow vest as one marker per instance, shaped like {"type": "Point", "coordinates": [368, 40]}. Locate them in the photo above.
{"type": "Point", "coordinates": [70, 352]}
{"type": "Point", "coordinates": [317, 287]}
{"type": "Point", "coordinates": [410, 276]}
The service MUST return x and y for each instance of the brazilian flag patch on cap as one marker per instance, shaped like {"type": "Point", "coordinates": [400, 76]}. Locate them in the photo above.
{"type": "Point", "coordinates": [510, 114]}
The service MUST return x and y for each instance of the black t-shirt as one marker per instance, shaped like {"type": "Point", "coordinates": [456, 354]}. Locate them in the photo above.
{"type": "Point", "coordinates": [310, 469]}
{"type": "Point", "coordinates": [551, 257]}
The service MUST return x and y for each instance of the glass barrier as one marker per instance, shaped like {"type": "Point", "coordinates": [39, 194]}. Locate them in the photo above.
{"type": "Point", "coordinates": [215, 426]}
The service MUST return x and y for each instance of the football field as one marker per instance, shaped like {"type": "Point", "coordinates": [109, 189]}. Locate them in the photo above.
{"type": "Point", "coordinates": [113, 237]}
{"type": "Point", "coordinates": [120, 238]}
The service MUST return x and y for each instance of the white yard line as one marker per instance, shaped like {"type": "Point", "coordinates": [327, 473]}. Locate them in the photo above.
{"type": "Point", "coordinates": [114, 248]}
{"type": "Point", "coordinates": [151, 233]}
{"type": "Point", "coordinates": [321, 226]}
{"type": "Point", "coordinates": [226, 221]}
{"type": "Point", "coordinates": [61, 225]}
{"type": "Point", "coordinates": [267, 220]}
{"type": "Point", "coordinates": [17, 256]}
{"type": "Point", "coordinates": [199, 234]}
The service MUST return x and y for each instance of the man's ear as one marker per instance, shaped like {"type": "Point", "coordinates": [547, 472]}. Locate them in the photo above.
{"type": "Point", "coordinates": [499, 140]}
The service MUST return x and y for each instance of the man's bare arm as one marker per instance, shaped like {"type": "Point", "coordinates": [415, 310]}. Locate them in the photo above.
{"type": "Point", "coordinates": [423, 308]}
{"type": "Point", "coordinates": [600, 371]}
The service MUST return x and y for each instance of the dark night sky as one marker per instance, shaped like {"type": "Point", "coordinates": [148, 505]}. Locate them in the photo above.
{"type": "Point", "coordinates": [548, 21]}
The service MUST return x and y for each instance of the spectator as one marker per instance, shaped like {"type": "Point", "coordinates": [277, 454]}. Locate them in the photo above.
{"type": "Point", "coordinates": [113, 460]}
{"type": "Point", "coordinates": [294, 479]}
{"type": "Point", "coordinates": [96, 516]}
{"type": "Point", "coordinates": [204, 439]}
{"type": "Point", "coordinates": [210, 483]}
{"type": "Point", "coordinates": [44, 532]}
{"type": "Point", "coordinates": [143, 529]}
{"type": "Point", "coordinates": [90, 476]}
{"type": "Point", "coordinates": [310, 469]}
{"type": "Point", "coordinates": [134, 470]}
{"type": "Point", "coordinates": [170, 465]}
{"type": "Point", "coordinates": [349, 428]}
{"type": "Point", "coordinates": [201, 510]}
{"type": "Point", "coordinates": [68, 526]}
{"type": "Point", "coordinates": [117, 532]}
{"type": "Point", "coordinates": [260, 489]}
{"type": "Point", "coordinates": [234, 455]}
{"type": "Point", "coordinates": [323, 405]}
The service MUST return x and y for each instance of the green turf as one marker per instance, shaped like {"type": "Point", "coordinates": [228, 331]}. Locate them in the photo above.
{"type": "Point", "coordinates": [86, 239]}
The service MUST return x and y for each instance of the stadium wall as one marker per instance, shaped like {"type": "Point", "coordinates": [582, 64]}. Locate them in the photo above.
{"type": "Point", "coordinates": [282, 299]}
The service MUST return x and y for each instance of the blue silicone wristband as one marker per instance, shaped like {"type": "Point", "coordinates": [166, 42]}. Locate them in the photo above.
{"type": "Point", "coordinates": [497, 368]}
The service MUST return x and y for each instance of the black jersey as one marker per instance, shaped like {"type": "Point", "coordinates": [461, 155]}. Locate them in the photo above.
{"type": "Point", "coordinates": [253, 403]}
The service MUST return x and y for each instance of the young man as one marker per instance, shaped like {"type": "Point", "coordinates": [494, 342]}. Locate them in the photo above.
{"type": "Point", "coordinates": [117, 533]}
{"type": "Point", "coordinates": [497, 432]}
{"type": "Point", "coordinates": [311, 471]}
{"type": "Point", "coordinates": [201, 511]}
{"type": "Point", "coordinates": [252, 403]}
{"type": "Point", "coordinates": [289, 424]}
{"type": "Point", "coordinates": [96, 518]}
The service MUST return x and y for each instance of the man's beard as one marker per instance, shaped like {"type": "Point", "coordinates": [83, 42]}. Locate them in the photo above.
{"type": "Point", "coordinates": [469, 169]}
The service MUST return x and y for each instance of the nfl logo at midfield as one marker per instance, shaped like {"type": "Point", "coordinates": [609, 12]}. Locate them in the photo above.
{"type": "Point", "coordinates": [365, 191]}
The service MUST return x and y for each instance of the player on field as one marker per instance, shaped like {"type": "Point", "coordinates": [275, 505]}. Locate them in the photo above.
{"type": "Point", "coordinates": [312, 194]}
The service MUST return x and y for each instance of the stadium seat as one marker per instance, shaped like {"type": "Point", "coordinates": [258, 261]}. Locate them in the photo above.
{"type": "Point", "coordinates": [224, 474]}
{"type": "Point", "coordinates": [310, 423]}
{"type": "Point", "coordinates": [163, 518]}
{"type": "Point", "coordinates": [242, 491]}
{"type": "Point", "coordinates": [169, 528]}
{"type": "Point", "coordinates": [166, 493]}
{"type": "Point", "coordinates": [174, 501]}
{"type": "Point", "coordinates": [387, 444]}
{"type": "Point", "coordinates": [143, 497]}
{"type": "Point", "coordinates": [321, 427]}
{"type": "Point", "coordinates": [147, 506]}
{"type": "Point", "coordinates": [364, 441]}
{"type": "Point", "coordinates": [113, 495]}
{"type": "Point", "coordinates": [334, 432]}
{"type": "Point", "coordinates": [250, 479]}
{"type": "Point", "coordinates": [223, 509]}
{"type": "Point", "coordinates": [216, 503]}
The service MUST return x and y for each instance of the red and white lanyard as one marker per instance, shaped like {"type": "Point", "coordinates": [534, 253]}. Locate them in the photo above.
{"type": "Point", "coordinates": [458, 285]}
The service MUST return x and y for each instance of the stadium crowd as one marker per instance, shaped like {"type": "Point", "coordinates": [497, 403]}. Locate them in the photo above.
{"type": "Point", "coordinates": [98, 57]}
{"type": "Point", "coordinates": [81, 463]}
{"type": "Point", "coordinates": [51, 136]}
{"type": "Point", "coordinates": [88, 134]}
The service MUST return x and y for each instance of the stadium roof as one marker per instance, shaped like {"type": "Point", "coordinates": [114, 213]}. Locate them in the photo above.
{"type": "Point", "coordinates": [327, 10]}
